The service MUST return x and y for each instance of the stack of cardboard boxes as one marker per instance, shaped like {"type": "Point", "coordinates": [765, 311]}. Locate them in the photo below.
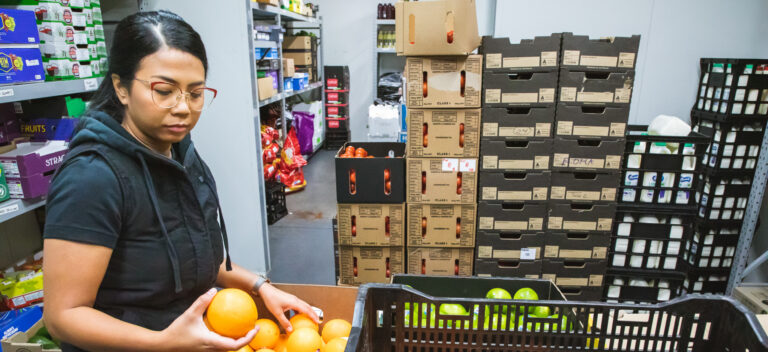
{"type": "Point", "coordinates": [443, 102]}
{"type": "Point", "coordinates": [337, 122]}
{"type": "Point", "coordinates": [302, 49]}
{"type": "Point", "coordinates": [554, 117]}
{"type": "Point", "coordinates": [520, 81]}
{"type": "Point", "coordinates": [370, 190]}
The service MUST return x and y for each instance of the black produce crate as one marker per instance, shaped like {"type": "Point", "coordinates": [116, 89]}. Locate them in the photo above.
{"type": "Point", "coordinates": [497, 187]}
{"type": "Point", "coordinates": [519, 123]}
{"type": "Point", "coordinates": [734, 145]}
{"type": "Point", "coordinates": [368, 183]}
{"type": "Point", "coordinates": [661, 180]}
{"type": "Point", "coordinates": [540, 54]}
{"type": "Point", "coordinates": [336, 77]}
{"type": "Point", "coordinates": [579, 87]}
{"type": "Point", "coordinates": [590, 121]}
{"type": "Point", "coordinates": [584, 187]}
{"type": "Point", "coordinates": [511, 216]}
{"type": "Point", "coordinates": [510, 268]}
{"type": "Point", "coordinates": [614, 54]}
{"type": "Point", "coordinates": [513, 245]}
{"type": "Point", "coordinates": [711, 281]}
{"type": "Point", "coordinates": [576, 245]}
{"type": "Point", "coordinates": [525, 89]}
{"type": "Point", "coordinates": [588, 155]}
{"type": "Point", "coordinates": [579, 279]}
{"type": "Point", "coordinates": [723, 200]}
{"type": "Point", "coordinates": [515, 155]}
{"type": "Point", "coordinates": [275, 200]}
{"type": "Point", "coordinates": [335, 126]}
{"type": "Point", "coordinates": [697, 323]}
{"type": "Point", "coordinates": [733, 88]}
{"type": "Point", "coordinates": [650, 239]}
{"type": "Point", "coordinates": [335, 139]}
{"type": "Point", "coordinates": [712, 246]}
{"type": "Point", "coordinates": [642, 286]}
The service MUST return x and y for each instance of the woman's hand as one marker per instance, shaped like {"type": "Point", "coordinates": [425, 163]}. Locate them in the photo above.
{"type": "Point", "coordinates": [189, 333]}
{"type": "Point", "coordinates": [278, 302]}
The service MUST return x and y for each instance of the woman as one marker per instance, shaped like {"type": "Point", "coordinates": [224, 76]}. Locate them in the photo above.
{"type": "Point", "coordinates": [134, 235]}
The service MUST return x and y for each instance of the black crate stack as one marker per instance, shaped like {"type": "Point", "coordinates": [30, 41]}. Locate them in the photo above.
{"type": "Point", "coordinates": [731, 109]}
{"type": "Point", "coordinates": [337, 129]}
{"type": "Point", "coordinates": [655, 217]}
{"type": "Point", "coordinates": [519, 86]}
{"type": "Point", "coordinates": [594, 93]}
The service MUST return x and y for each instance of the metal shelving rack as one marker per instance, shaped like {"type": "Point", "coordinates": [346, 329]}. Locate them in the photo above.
{"type": "Point", "coordinates": [380, 53]}
{"type": "Point", "coordinates": [265, 12]}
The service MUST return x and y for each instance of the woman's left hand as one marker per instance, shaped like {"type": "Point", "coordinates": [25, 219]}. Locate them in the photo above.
{"type": "Point", "coordinates": [278, 302]}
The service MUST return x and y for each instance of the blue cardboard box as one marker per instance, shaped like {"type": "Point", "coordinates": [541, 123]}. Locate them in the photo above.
{"type": "Point", "coordinates": [49, 129]}
{"type": "Point", "coordinates": [19, 320]}
{"type": "Point", "coordinates": [266, 53]}
{"type": "Point", "coordinates": [21, 65]}
{"type": "Point", "coordinates": [18, 27]}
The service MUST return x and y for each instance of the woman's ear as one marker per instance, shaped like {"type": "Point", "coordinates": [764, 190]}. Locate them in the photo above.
{"type": "Point", "coordinates": [120, 89]}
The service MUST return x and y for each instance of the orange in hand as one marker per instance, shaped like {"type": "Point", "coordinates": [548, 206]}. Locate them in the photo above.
{"type": "Point", "coordinates": [267, 336]}
{"type": "Point", "coordinates": [232, 313]}
{"type": "Point", "coordinates": [299, 321]}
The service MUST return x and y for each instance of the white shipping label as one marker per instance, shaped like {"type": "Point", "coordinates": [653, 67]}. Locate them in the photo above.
{"type": "Point", "coordinates": [516, 97]}
{"type": "Point", "coordinates": [516, 131]}
{"type": "Point", "coordinates": [492, 96]}
{"type": "Point", "coordinates": [547, 95]}
{"type": "Point", "coordinates": [9, 209]}
{"type": "Point", "coordinates": [595, 97]}
{"type": "Point", "coordinates": [622, 95]}
{"type": "Point", "coordinates": [543, 129]}
{"type": "Point", "coordinates": [599, 61]}
{"type": "Point", "coordinates": [450, 165]}
{"type": "Point", "coordinates": [528, 254]}
{"type": "Point", "coordinates": [627, 60]}
{"type": "Point", "coordinates": [564, 128]}
{"type": "Point", "coordinates": [468, 165]}
{"type": "Point", "coordinates": [548, 58]}
{"type": "Point", "coordinates": [490, 162]}
{"type": "Point", "coordinates": [490, 129]}
{"type": "Point", "coordinates": [489, 193]}
{"type": "Point", "coordinates": [524, 61]}
{"type": "Point", "coordinates": [493, 60]}
{"type": "Point", "coordinates": [567, 93]}
{"type": "Point", "coordinates": [571, 57]}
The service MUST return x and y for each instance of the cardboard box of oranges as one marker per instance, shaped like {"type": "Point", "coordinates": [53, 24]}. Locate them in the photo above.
{"type": "Point", "coordinates": [234, 313]}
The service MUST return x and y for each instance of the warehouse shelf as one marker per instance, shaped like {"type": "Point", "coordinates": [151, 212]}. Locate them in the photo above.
{"type": "Point", "coordinates": [264, 44]}
{"type": "Point", "coordinates": [267, 12]}
{"type": "Point", "coordinates": [385, 22]}
{"type": "Point", "coordinates": [17, 92]}
{"type": "Point", "coordinates": [277, 97]}
{"type": "Point", "coordinates": [15, 207]}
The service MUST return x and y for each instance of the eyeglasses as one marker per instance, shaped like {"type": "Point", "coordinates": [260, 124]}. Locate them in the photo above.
{"type": "Point", "coordinates": [167, 95]}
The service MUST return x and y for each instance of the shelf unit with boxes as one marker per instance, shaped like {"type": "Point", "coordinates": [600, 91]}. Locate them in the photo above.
{"type": "Point", "coordinates": [291, 65]}
{"type": "Point", "coordinates": [443, 134]}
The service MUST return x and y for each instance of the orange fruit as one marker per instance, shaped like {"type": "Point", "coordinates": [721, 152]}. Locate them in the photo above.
{"type": "Point", "coordinates": [280, 344]}
{"type": "Point", "coordinates": [336, 328]}
{"type": "Point", "coordinates": [207, 324]}
{"type": "Point", "coordinates": [336, 345]}
{"type": "Point", "coordinates": [245, 348]}
{"type": "Point", "coordinates": [267, 335]}
{"type": "Point", "coordinates": [266, 350]}
{"type": "Point", "coordinates": [304, 340]}
{"type": "Point", "coordinates": [299, 321]}
{"type": "Point", "coordinates": [232, 313]}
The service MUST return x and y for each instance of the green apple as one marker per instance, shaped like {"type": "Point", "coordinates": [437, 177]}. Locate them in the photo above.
{"type": "Point", "coordinates": [498, 293]}
{"type": "Point", "coordinates": [526, 293]}
{"type": "Point", "coordinates": [453, 309]}
{"type": "Point", "coordinates": [541, 311]}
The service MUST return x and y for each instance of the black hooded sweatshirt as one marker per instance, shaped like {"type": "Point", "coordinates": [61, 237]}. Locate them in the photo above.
{"type": "Point", "coordinates": [160, 216]}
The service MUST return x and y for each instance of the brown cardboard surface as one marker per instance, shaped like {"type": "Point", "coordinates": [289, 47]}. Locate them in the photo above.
{"type": "Point", "coordinates": [336, 302]}
{"type": "Point", "coordinates": [300, 58]}
{"type": "Point", "coordinates": [288, 68]}
{"type": "Point", "coordinates": [435, 180]}
{"type": "Point", "coordinates": [443, 131]}
{"type": "Point", "coordinates": [271, 2]}
{"type": "Point", "coordinates": [18, 341]}
{"type": "Point", "coordinates": [371, 264]}
{"type": "Point", "coordinates": [753, 297]}
{"type": "Point", "coordinates": [265, 88]}
{"type": "Point", "coordinates": [424, 28]}
{"type": "Point", "coordinates": [370, 224]}
{"type": "Point", "coordinates": [443, 81]}
{"type": "Point", "coordinates": [432, 225]}
{"type": "Point", "coordinates": [440, 261]}
{"type": "Point", "coordinates": [303, 42]}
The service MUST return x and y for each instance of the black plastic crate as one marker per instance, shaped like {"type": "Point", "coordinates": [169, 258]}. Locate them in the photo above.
{"type": "Point", "coordinates": [734, 145]}
{"type": "Point", "coordinates": [580, 87]}
{"type": "Point", "coordinates": [510, 245]}
{"type": "Point", "coordinates": [723, 199]}
{"type": "Point", "coordinates": [510, 268]}
{"type": "Point", "coordinates": [656, 179]}
{"type": "Point", "coordinates": [590, 121]}
{"type": "Point", "coordinates": [335, 139]}
{"type": "Point", "coordinates": [364, 180]}
{"type": "Point", "coordinates": [275, 200]}
{"type": "Point", "coordinates": [524, 89]}
{"type": "Point", "coordinates": [614, 54]}
{"type": "Point", "coordinates": [519, 123]}
{"type": "Point", "coordinates": [497, 187]}
{"type": "Point", "coordinates": [587, 155]}
{"type": "Point", "coordinates": [645, 240]}
{"type": "Point", "coordinates": [733, 88]}
{"type": "Point", "coordinates": [336, 77]}
{"type": "Point", "coordinates": [515, 155]}
{"type": "Point", "coordinates": [540, 54]}
{"type": "Point", "coordinates": [511, 216]}
{"type": "Point", "coordinates": [712, 246]}
{"type": "Point", "coordinates": [582, 187]}
{"type": "Point", "coordinates": [647, 286]}
{"type": "Point", "coordinates": [711, 281]}
{"type": "Point", "coordinates": [695, 323]}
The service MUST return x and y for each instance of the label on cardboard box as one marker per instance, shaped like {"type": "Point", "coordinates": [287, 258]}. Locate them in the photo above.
{"type": "Point", "coordinates": [571, 57]}
{"type": "Point", "coordinates": [601, 61]}
{"type": "Point", "coordinates": [604, 224]}
{"type": "Point", "coordinates": [493, 96]}
{"type": "Point", "coordinates": [618, 129]}
{"type": "Point", "coordinates": [608, 194]}
{"type": "Point", "coordinates": [622, 95]}
{"type": "Point", "coordinates": [511, 98]}
{"type": "Point", "coordinates": [523, 61]}
{"type": "Point", "coordinates": [594, 97]}
{"type": "Point", "coordinates": [627, 60]}
{"type": "Point", "coordinates": [516, 164]}
{"type": "Point", "coordinates": [579, 225]}
{"type": "Point", "coordinates": [567, 93]}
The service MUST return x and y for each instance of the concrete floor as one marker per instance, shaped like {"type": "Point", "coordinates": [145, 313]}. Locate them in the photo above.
{"type": "Point", "coordinates": [301, 243]}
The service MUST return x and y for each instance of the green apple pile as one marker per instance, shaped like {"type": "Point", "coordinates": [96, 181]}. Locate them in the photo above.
{"type": "Point", "coordinates": [493, 321]}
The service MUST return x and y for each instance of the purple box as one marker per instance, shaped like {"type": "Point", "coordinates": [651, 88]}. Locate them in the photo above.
{"type": "Point", "coordinates": [9, 131]}
{"type": "Point", "coordinates": [32, 158]}
{"type": "Point", "coordinates": [275, 84]}
{"type": "Point", "coordinates": [18, 27]}
{"type": "Point", "coordinates": [21, 65]}
{"type": "Point", "coordinates": [29, 187]}
{"type": "Point", "coordinates": [49, 129]}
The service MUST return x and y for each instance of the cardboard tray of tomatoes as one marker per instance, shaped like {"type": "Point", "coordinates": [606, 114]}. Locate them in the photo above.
{"type": "Point", "coordinates": [370, 172]}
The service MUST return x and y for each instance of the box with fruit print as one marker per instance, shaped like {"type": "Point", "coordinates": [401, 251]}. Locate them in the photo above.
{"type": "Point", "coordinates": [359, 265]}
{"type": "Point", "coordinates": [442, 180]}
{"type": "Point", "coordinates": [371, 224]}
{"type": "Point", "coordinates": [440, 261]}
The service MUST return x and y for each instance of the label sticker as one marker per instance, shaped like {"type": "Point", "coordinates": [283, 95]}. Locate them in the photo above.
{"type": "Point", "coordinates": [9, 209]}
{"type": "Point", "coordinates": [627, 60]}
{"type": "Point", "coordinates": [576, 254]}
{"type": "Point", "coordinates": [599, 252]}
{"type": "Point", "coordinates": [516, 131]}
{"type": "Point", "coordinates": [484, 251]}
{"type": "Point", "coordinates": [612, 161]}
{"type": "Point", "coordinates": [548, 58]}
{"type": "Point", "coordinates": [579, 225]}
{"type": "Point", "coordinates": [4, 93]}
{"type": "Point", "coordinates": [564, 128]}
{"type": "Point", "coordinates": [515, 195]}
{"type": "Point", "coordinates": [489, 193]}
{"type": "Point", "coordinates": [600, 131]}
{"type": "Point", "coordinates": [490, 129]}
{"type": "Point", "coordinates": [618, 129]}
{"type": "Point", "coordinates": [450, 165]}
{"type": "Point", "coordinates": [528, 254]}
{"type": "Point", "coordinates": [486, 223]}
{"type": "Point", "coordinates": [540, 193]}
{"type": "Point", "coordinates": [622, 95]}
{"type": "Point", "coordinates": [594, 97]}
{"type": "Point", "coordinates": [551, 251]}
{"type": "Point", "coordinates": [524, 61]}
{"type": "Point", "coordinates": [493, 60]}
{"type": "Point", "coordinates": [599, 61]}
{"type": "Point", "coordinates": [492, 96]}
{"type": "Point", "coordinates": [490, 162]}
{"type": "Point", "coordinates": [541, 162]}
{"type": "Point", "coordinates": [90, 84]}
{"type": "Point", "coordinates": [468, 165]}
{"type": "Point", "coordinates": [543, 129]}
{"type": "Point", "coordinates": [582, 195]}
{"type": "Point", "coordinates": [604, 224]}
{"type": "Point", "coordinates": [567, 93]}
{"type": "Point", "coordinates": [515, 164]}
{"type": "Point", "coordinates": [595, 280]}
{"type": "Point", "coordinates": [608, 194]}
{"type": "Point", "coordinates": [547, 95]}
{"type": "Point", "coordinates": [510, 225]}
{"type": "Point", "coordinates": [558, 192]}
{"type": "Point", "coordinates": [571, 57]}
{"type": "Point", "coordinates": [519, 98]}
{"type": "Point", "coordinates": [535, 223]}
{"type": "Point", "coordinates": [555, 223]}
{"type": "Point", "coordinates": [561, 160]}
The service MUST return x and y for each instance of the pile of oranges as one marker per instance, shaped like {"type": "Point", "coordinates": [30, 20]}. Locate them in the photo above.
{"type": "Point", "coordinates": [233, 313]}
{"type": "Point", "coordinates": [352, 152]}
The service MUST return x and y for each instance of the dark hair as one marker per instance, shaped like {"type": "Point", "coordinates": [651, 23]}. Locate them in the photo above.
{"type": "Point", "coordinates": [137, 36]}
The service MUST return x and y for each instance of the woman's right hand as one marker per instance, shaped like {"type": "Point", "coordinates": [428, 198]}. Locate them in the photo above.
{"type": "Point", "coordinates": [189, 333]}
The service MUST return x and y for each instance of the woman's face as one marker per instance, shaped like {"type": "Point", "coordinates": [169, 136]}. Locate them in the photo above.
{"type": "Point", "coordinates": [157, 126]}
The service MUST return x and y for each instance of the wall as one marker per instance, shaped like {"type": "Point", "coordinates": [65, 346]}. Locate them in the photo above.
{"type": "Point", "coordinates": [350, 32]}
{"type": "Point", "coordinates": [675, 34]}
